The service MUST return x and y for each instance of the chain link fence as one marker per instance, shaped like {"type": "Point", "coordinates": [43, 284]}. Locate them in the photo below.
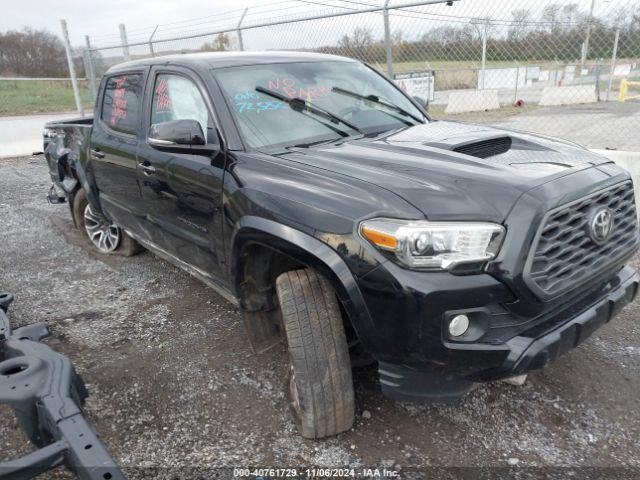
{"type": "Point", "coordinates": [547, 67]}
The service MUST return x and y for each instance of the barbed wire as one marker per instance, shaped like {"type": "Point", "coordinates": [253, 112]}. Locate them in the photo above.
{"type": "Point", "coordinates": [227, 20]}
{"type": "Point", "coordinates": [186, 23]}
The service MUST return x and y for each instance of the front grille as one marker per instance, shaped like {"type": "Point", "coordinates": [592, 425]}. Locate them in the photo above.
{"type": "Point", "coordinates": [486, 148]}
{"type": "Point", "coordinates": [564, 254]}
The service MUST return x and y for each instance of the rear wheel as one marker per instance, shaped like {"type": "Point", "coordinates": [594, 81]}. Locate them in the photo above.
{"type": "Point", "coordinates": [320, 382]}
{"type": "Point", "coordinates": [104, 235]}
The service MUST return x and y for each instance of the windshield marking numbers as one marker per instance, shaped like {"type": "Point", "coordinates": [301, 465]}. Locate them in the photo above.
{"type": "Point", "coordinates": [250, 101]}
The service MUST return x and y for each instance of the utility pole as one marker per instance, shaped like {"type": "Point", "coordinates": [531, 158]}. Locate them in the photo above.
{"type": "Point", "coordinates": [125, 43]}
{"type": "Point", "coordinates": [72, 69]}
{"type": "Point", "coordinates": [239, 30]}
{"type": "Point", "coordinates": [91, 74]}
{"type": "Point", "coordinates": [484, 33]}
{"type": "Point", "coordinates": [387, 39]}
{"type": "Point", "coordinates": [613, 63]}
{"type": "Point", "coordinates": [482, 27]}
{"type": "Point", "coordinates": [585, 48]}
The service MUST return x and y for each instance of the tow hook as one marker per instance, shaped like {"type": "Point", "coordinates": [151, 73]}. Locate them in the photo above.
{"type": "Point", "coordinates": [53, 197]}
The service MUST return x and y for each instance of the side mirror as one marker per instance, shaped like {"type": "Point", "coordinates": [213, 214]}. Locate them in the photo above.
{"type": "Point", "coordinates": [423, 102]}
{"type": "Point", "coordinates": [178, 136]}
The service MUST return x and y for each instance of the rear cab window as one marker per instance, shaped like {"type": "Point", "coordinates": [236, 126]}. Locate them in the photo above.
{"type": "Point", "coordinates": [121, 102]}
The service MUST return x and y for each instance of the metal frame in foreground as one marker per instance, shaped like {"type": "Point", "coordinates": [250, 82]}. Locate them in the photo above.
{"type": "Point", "coordinates": [47, 395]}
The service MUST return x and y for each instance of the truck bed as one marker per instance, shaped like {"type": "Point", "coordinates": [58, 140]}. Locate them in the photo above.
{"type": "Point", "coordinates": [66, 149]}
{"type": "Point", "coordinates": [76, 122]}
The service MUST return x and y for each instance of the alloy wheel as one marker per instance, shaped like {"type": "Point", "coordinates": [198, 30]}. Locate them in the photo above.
{"type": "Point", "coordinates": [102, 233]}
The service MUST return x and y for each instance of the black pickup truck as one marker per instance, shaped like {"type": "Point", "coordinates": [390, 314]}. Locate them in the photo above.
{"type": "Point", "coordinates": [318, 197]}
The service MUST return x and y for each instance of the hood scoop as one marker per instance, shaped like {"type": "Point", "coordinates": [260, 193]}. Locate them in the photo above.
{"type": "Point", "coordinates": [486, 148]}
{"type": "Point", "coordinates": [480, 147]}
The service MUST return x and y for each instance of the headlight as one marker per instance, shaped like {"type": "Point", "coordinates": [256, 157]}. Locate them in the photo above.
{"type": "Point", "coordinates": [438, 245]}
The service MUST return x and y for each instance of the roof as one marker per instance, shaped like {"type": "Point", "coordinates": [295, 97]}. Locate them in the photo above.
{"type": "Point", "coordinates": [229, 59]}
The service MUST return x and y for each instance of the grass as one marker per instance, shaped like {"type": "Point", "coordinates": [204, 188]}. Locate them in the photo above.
{"type": "Point", "coordinates": [23, 97]}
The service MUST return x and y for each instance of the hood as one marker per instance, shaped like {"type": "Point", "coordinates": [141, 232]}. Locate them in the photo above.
{"type": "Point", "coordinates": [453, 171]}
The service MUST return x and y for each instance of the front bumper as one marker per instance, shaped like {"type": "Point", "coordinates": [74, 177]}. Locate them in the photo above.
{"type": "Point", "coordinates": [554, 343]}
{"type": "Point", "coordinates": [532, 349]}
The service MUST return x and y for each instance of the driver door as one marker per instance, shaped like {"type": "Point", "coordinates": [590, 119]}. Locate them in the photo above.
{"type": "Point", "coordinates": [182, 192]}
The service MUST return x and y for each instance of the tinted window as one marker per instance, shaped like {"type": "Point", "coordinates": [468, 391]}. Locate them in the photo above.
{"type": "Point", "coordinates": [122, 101]}
{"type": "Point", "coordinates": [178, 98]}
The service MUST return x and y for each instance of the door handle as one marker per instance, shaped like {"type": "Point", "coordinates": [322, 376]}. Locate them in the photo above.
{"type": "Point", "coordinates": [147, 169]}
{"type": "Point", "coordinates": [97, 154]}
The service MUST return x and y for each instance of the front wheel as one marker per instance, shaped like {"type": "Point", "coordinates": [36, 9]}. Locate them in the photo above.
{"type": "Point", "coordinates": [104, 235]}
{"type": "Point", "coordinates": [320, 382]}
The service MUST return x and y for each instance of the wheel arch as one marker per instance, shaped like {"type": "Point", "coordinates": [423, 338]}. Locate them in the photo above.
{"type": "Point", "coordinates": [262, 249]}
{"type": "Point", "coordinates": [71, 165]}
{"type": "Point", "coordinates": [79, 163]}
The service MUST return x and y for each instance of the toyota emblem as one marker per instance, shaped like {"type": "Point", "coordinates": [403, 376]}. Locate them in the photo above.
{"type": "Point", "coordinates": [601, 225]}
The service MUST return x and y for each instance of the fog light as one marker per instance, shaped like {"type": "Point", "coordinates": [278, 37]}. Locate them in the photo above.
{"type": "Point", "coordinates": [458, 325]}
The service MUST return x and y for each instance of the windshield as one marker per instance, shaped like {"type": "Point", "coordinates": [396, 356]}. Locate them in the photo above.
{"type": "Point", "coordinates": [267, 121]}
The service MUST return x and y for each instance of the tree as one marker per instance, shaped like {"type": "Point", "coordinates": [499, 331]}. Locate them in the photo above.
{"type": "Point", "coordinates": [220, 44]}
{"type": "Point", "coordinates": [571, 13]}
{"type": "Point", "coordinates": [521, 18]}
{"type": "Point", "coordinates": [32, 53]}
{"type": "Point", "coordinates": [557, 33]}
{"type": "Point", "coordinates": [551, 15]}
{"type": "Point", "coordinates": [358, 44]}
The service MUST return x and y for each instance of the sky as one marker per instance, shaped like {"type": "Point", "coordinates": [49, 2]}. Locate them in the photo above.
{"type": "Point", "coordinates": [100, 19]}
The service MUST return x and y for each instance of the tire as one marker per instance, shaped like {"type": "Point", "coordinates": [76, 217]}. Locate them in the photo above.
{"type": "Point", "coordinates": [320, 383]}
{"type": "Point", "coordinates": [115, 242]}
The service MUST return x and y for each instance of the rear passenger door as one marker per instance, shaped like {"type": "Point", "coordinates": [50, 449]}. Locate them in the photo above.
{"type": "Point", "coordinates": [182, 192]}
{"type": "Point", "coordinates": [114, 146]}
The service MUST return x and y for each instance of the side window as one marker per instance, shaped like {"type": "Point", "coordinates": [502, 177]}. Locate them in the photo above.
{"type": "Point", "coordinates": [178, 98]}
{"type": "Point", "coordinates": [121, 102]}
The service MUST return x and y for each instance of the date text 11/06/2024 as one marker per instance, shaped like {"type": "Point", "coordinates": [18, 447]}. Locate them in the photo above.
{"type": "Point", "coordinates": [271, 473]}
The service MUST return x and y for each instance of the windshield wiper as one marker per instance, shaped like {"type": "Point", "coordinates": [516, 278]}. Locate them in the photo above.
{"type": "Point", "coordinates": [298, 104]}
{"type": "Point", "coordinates": [316, 143]}
{"type": "Point", "coordinates": [375, 99]}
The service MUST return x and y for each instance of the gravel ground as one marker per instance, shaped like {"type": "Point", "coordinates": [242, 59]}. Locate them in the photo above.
{"type": "Point", "coordinates": [175, 388]}
{"type": "Point", "coordinates": [612, 125]}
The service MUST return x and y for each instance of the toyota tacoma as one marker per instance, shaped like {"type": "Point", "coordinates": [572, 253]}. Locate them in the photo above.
{"type": "Point", "coordinates": [328, 206]}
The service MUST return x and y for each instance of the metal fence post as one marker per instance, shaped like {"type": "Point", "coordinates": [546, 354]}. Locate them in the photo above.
{"type": "Point", "coordinates": [88, 66]}
{"type": "Point", "coordinates": [153, 53]}
{"type": "Point", "coordinates": [484, 51]}
{"type": "Point", "coordinates": [239, 30]}
{"type": "Point", "coordinates": [387, 39]}
{"type": "Point", "coordinates": [613, 63]}
{"type": "Point", "coordinates": [598, 73]}
{"type": "Point", "coordinates": [72, 70]}
{"type": "Point", "coordinates": [125, 44]}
